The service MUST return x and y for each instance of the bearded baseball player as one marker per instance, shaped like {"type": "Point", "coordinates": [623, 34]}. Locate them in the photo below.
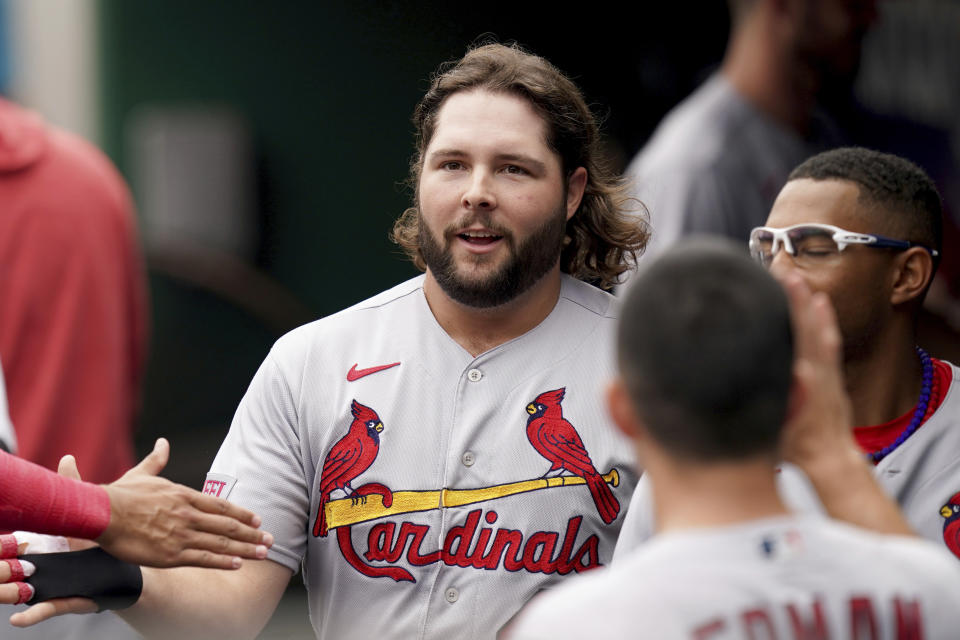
{"type": "Point", "coordinates": [864, 228]}
{"type": "Point", "coordinates": [434, 456]}
{"type": "Point", "coordinates": [728, 559]}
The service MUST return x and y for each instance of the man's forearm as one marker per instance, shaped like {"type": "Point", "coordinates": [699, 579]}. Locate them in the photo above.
{"type": "Point", "coordinates": [849, 492]}
{"type": "Point", "coordinates": [189, 602]}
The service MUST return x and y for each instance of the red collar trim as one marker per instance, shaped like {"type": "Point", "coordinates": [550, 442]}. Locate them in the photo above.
{"type": "Point", "coordinates": [873, 438]}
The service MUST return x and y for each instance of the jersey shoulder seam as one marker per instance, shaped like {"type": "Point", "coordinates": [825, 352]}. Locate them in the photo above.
{"type": "Point", "coordinates": [599, 302]}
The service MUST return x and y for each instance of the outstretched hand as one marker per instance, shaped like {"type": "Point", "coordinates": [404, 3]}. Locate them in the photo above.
{"type": "Point", "coordinates": [153, 522]}
{"type": "Point", "coordinates": [158, 523]}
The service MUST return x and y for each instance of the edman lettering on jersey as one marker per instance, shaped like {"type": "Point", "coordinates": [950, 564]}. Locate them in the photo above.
{"type": "Point", "coordinates": [468, 544]}
{"type": "Point", "coordinates": [809, 622]}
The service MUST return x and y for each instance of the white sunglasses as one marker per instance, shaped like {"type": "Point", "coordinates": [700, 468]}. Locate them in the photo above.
{"type": "Point", "coordinates": [813, 241]}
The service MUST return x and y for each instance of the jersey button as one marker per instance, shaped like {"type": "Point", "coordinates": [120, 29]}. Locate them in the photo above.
{"type": "Point", "coordinates": [468, 458]}
{"type": "Point", "coordinates": [474, 375]}
{"type": "Point", "coordinates": [452, 595]}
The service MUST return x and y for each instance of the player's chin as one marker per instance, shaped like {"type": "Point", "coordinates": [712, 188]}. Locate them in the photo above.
{"type": "Point", "coordinates": [479, 275]}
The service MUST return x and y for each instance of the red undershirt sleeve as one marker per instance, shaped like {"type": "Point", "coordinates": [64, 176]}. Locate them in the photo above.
{"type": "Point", "coordinates": [33, 498]}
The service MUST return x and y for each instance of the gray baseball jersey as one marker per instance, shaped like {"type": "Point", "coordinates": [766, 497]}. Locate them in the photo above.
{"type": "Point", "coordinates": [922, 475]}
{"type": "Point", "coordinates": [426, 492]}
{"type": "Point", "coordinates": [786, 577]}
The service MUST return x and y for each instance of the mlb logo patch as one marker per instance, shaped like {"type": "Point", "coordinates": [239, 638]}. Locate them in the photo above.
{"type": "Point", "coordinates": [781, 545]}
{"type": "Point", "coordinates": [218, 485]}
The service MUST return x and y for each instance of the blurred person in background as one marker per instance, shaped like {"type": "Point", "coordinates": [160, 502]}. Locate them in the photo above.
{"type": "Point", "coordinates": [73, 302]}
{"type": "Point", "coordinates": [717, 161]}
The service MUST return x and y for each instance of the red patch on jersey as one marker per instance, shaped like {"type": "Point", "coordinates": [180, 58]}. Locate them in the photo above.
{"type": "Point", "coordinates": [951, 523]}
{"type": "Point", "coordinates": [356, 374]}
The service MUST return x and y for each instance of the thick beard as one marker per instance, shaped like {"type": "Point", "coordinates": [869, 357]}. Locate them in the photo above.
{"type": "Point", "coordinates": [524, 267]}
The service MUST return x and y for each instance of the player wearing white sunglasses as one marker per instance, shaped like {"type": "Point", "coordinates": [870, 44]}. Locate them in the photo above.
{"type": "Point", "coordinates": [813, 242]}
{"type": "Point", "coordinates": [827, 220]}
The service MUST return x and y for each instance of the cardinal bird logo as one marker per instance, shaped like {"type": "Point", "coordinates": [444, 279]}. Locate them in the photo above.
{"type": "Point", "coordinates": [558, 441]}
{"type": "Point", "coordinates": [350, 456]}
{"type": "Point", "coordinates": [951, 523]}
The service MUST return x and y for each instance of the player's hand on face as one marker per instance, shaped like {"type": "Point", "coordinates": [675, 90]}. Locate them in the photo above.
{"type": "Point", "coordinates": [819, 427]}
{"type": "Point", "coordinates": [158, 523]}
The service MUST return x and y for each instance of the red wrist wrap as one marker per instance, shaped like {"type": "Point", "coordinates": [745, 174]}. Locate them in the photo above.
{"type": "Point", "coordinates": [8, 546]}
{"type": "Point", "coordinates": [16, 570]}
{"type": "Point", "coordinates": [35, 499]}
{"type": "Point", "coordinates": [26, 592]}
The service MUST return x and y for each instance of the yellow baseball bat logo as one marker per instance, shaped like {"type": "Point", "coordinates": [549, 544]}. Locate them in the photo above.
{"type": "Point", "coordinates": [349, 511]}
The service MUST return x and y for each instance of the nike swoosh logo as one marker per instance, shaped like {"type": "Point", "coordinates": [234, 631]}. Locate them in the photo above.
{"type": "Point", "coordinates": [356, 374]}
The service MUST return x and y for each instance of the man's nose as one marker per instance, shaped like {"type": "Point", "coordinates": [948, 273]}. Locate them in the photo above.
{"type": "Point", "coordinates": [479, 193]}
{"type": "Point", "coordinates": [781, 264]}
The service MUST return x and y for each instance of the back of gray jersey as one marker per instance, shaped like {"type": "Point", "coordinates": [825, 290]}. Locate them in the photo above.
{"type": "Point", "coordinates": [790, 578]}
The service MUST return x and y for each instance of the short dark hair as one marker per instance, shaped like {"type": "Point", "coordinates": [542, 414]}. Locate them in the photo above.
{"type": "Point", "coordinates": [705, 349]}
{"type": "Point", "coordinates": [898, 189]}
{"type": "Point", "coordinates": [605, 237]}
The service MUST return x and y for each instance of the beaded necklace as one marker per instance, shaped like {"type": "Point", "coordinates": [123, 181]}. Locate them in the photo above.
{"type": "Point", "coordinates": [918, 415]}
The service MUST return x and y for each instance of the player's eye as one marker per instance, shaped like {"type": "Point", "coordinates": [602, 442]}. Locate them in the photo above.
{"type": "Point", "coordinates": [815, 252]}
{"type": "Point", "coordinates": [452, 165]}
{"type": "Point", "coordinates": [515, 170]}
{"type": "Point", "coordinates": [813, 243]}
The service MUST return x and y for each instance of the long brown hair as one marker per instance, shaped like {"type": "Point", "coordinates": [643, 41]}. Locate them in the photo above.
{"type": "Point", "coordinates": [604, 236]}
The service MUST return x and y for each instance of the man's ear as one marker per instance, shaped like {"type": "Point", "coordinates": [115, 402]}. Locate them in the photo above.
{"type": "Point", "coordinates": [621, 410]}
{"type": "Point", "coordinates": [576, 185]}
{"type": "Point", "coordinates": [912, 273]}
